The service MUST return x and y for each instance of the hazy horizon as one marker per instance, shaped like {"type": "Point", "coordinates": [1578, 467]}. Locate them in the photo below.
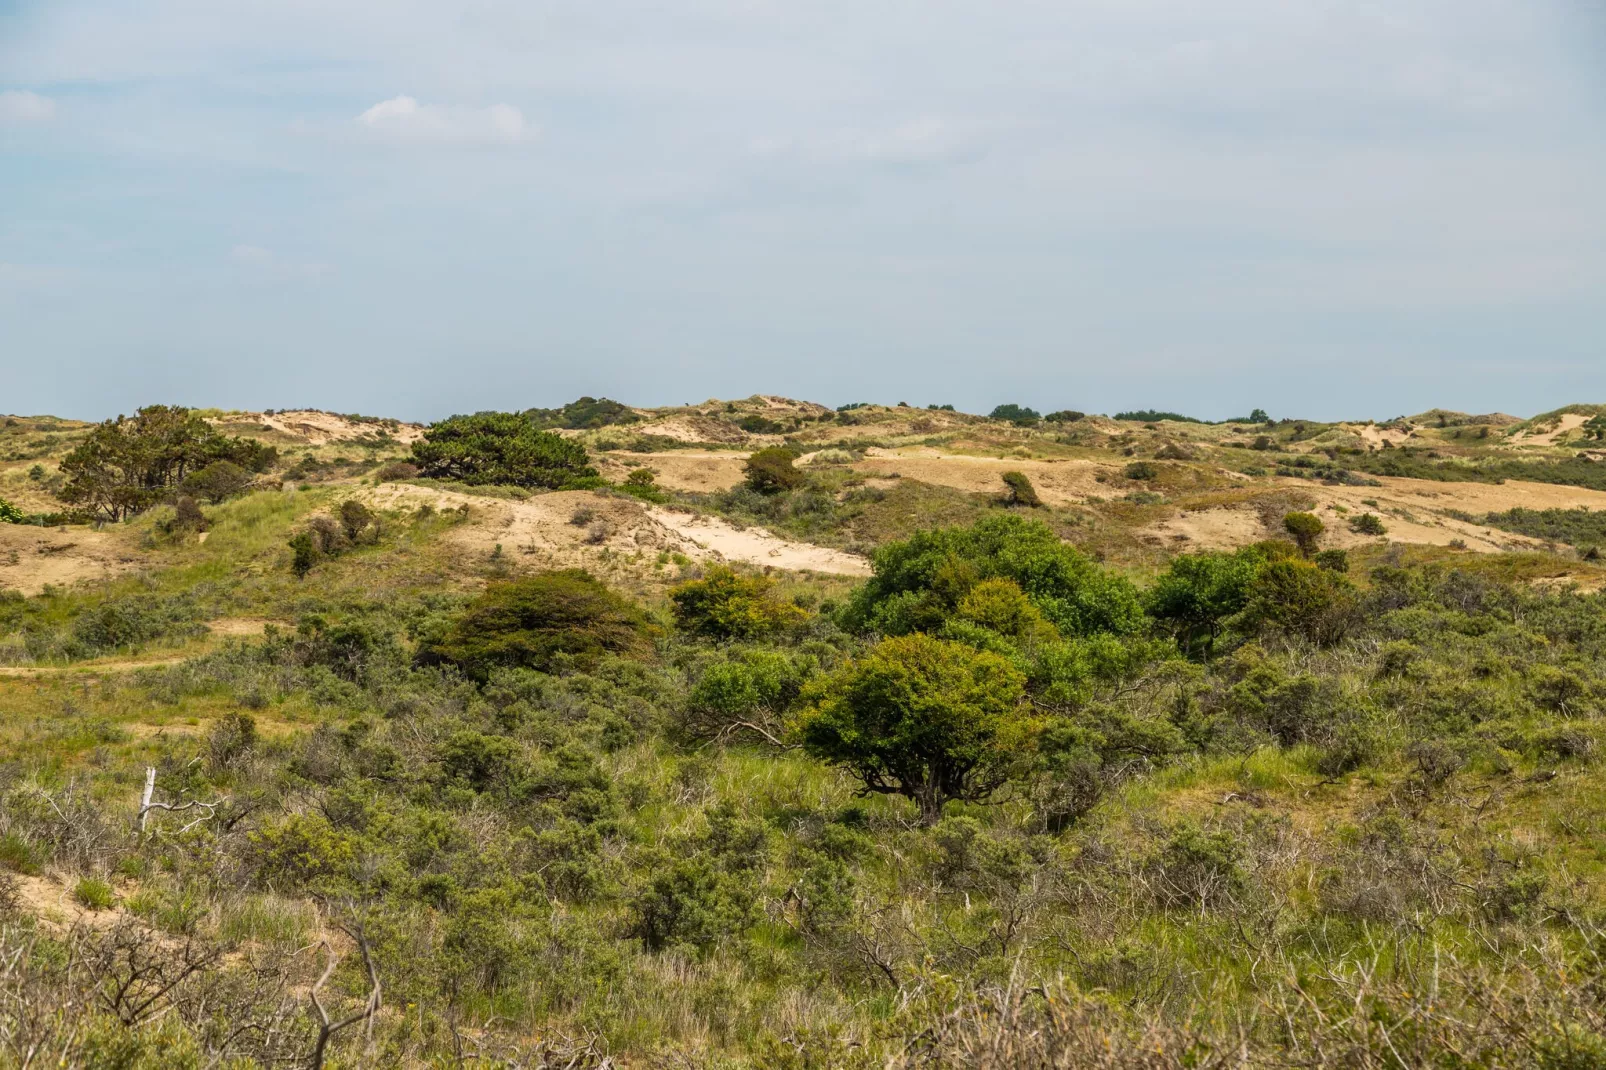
{"type": "Point", "coordinates": [416, 209]}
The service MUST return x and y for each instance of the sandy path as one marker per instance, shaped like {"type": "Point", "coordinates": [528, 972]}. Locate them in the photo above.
{"type": "Point", "coordinates": [757, 546]}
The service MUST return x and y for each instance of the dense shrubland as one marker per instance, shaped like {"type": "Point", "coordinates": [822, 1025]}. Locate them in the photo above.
{"type": "Point", "coordinates": [1000, 807]}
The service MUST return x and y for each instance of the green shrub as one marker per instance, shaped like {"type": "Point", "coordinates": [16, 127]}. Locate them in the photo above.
{"type": "Point", "coordinates": [918, 583]}
{"type": "Point", "coordinates": [10, 514]}
{"type": "Point", "coordinates": [1306, 528]}
{"type": "Point", "coordinates": [1199, 593]}
{"type": "Point", "coordinates": [1332, 560]}
{"type": "Point", "coordinates": [1368, 524]}
{"type": "Point", "coordinates": [395, 471]}
{"type": "Point", "coordinates": [1298, 598]}
{"type": "Point", "coordinates": [725, 605]}
{"type": "Point", "coordinates": [1064, 416]}
{"type": "Point", "coordinates": [924, 718]}
{"type": "Point", "coordinates": [1140, 470]}
{"type": "Point", "coordinates": [92, 893]}
{"type": "Point", "coordinates": [1021, 491]}
{"type": "Point", "coordinates": [542, 622]}
{"type": "Point", "coordinates": [773, 470]}
{"type": "Point", "coordinates": [501, 448]}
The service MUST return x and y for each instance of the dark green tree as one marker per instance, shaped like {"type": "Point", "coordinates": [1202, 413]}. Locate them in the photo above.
{"type": "Point", "coordinates": [501, 448]}
{"type": "Point", "coordinates": [129, 464]}
{"type": "Point", "coordinates": [538, 622]}
{"type": "Point", "coordinates": [1021, 491]}
{"type": "Point", "coordinates": [1018, 415]}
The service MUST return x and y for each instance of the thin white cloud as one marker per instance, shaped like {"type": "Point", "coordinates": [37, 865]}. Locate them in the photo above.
{"type": "Point", "coordinates": [21, 106]}
{"type": "Point", "coordinates": [403, 118]}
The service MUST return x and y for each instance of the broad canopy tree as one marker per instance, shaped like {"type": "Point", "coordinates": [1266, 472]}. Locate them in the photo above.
{"type": "Point", "coordinates": [924, 718]}
{"type": "Point", "coordinates": [504, 448]}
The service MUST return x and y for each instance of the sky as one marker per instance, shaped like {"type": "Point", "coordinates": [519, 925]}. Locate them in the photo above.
{"type": "Point", "coordinates": [418, 207]}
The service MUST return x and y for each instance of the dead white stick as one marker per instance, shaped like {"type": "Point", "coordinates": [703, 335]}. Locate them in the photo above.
{"type": "Point", "coordinates": [145, 799]}
{"type": "Point", "coordinates": [146, 803]}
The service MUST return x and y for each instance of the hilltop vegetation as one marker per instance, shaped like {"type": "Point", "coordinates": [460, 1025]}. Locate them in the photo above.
{"type": "Point", "coordinates": [467, 743]}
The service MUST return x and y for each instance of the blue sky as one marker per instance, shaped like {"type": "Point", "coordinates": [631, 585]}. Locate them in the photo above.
{"type": "Point", "coordinates": [415, 208]}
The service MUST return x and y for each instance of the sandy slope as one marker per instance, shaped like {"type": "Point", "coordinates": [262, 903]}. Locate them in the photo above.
{"type": "Point", "coordinates": [1412, 509]}
{"type": "Point", "coordinates": [319, 428]}
{"type": "Point", "coordinates": [1570, 422]}
{"type": "Point", "coordinates": [757, 546]}
{"type": "Point", "coordinates": [1057, 482]}
{"type": "Point", "coordinates": [542, 531]}
{"type": "Point", "coordinates": [694, 470]}
{"type": "Point", "coordinates": [31, 557]}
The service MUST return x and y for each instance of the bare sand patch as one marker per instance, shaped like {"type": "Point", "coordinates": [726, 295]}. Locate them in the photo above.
{"type": "Point", "coordinates": [1414, 511]}
{"type": "Point", "coordinates": [1057, 482]}
{"type": "Point", "coordinates": [1375, 436]}
{"type": "Point", "coordinates": [1569, 422]}
{"type": "Point", "coordinates": [33, 557]}
{"type": "Point", "coordinates": [700, 471]}
{"type": "Point", "coordinates": [319, 428]}
{"type": "Point", "coordinates": [718, 539]}
{"type": "Point", "coordinates": [568, 529]}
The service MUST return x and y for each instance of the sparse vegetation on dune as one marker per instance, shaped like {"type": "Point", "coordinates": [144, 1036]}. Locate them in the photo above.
{"type": "Point", "coordinates": [526, 777]}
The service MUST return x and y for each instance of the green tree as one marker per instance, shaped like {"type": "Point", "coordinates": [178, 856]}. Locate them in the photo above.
{"type": "Point", "coordinates": [501, 448]}
{"type": "Point", "coordinates": [129, 464]}
{"type": "Point", "coordinates": [216, 482]}
{"type": "Point", "coordinates": [1258, 416]}
{"type": "Point", "coordinates": [1199, 593]}
{"type": "Point", "coordinates": [918, 583]}
{"type": "Point", "coordinates": [924, 718]}
{"type": "Point", "coordinates": [772, 470]}
{"type": "Point", "coordinates": [725, 605]}
{"type": "Point", "coordinates": [539, 622]}
{"type": "Point", "coordinates": [1306, 528]}
{"type": "Point", "coordinates": [1018, 415]}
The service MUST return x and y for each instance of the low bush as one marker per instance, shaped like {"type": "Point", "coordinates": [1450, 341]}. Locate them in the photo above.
{"type": "Point", "coordinates": [726, 605]}
{"type": "Point", "coordinates": [773, 470]}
